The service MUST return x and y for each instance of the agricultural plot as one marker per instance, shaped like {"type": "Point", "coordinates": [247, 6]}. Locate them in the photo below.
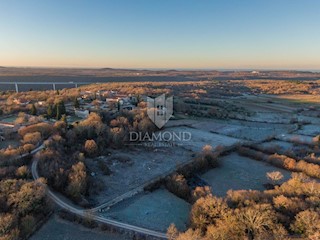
{"type": "Point", "coordinates": [237, 172]}
{"type": "Point", "coordinates": [309, 130]}
{"type": "Point", "coordinates": [58, 229]}
{"type": "Point", "coordinates": [200, 138]}
{"type": "Point", "coordinates": [295, 138]}
{"type": "Point", "coordinates": [252, 131]}
{"type": "Point", "coordinates": [155, 210]}
{"type": "Point", "coordinates": [131, 168]}
{"type": "Point", "coordinates": [276, 144]}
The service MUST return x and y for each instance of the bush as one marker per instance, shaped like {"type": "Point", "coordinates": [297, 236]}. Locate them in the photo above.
{"type": "Point", "coordinates": [28, 223]}
{"type": "Point", "coordinates": [274, 177]}
{"type": "Point", "coordinates": [77, 181]}
{"type": "Point", "coordinates": [7, 222]}
{"type": "Point", "coordinates": [206, 211]}
{"type": "Point", "coordinates": [307, 223]}
{"type": "Point", "coordinates": [91, 148]}
{"type": "Point", "coordinates": [44, 128]}
{"type": "Point", "coordinates": [22, 172]}
{"type": "Point", "coordinates": [32, 138]}
{"type": "Point", "coordinates": [200, 192]}
{"type": "Point", "coordinates": [178, 185]}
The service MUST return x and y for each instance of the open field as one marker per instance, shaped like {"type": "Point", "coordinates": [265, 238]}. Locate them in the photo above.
{"type": "Point", "coordinates": [9, 119]}
{"type": "Point", "coordinates": [295, 138]}
{"type": "Point", "coordinates": [132, 168]}
{"type": "Point", "coordinates": [309, 130]}
{"type": "Point", "coordinates": [282, 145]}
{"type": "Point", "coordinates": [302, 98]}
{"type": "Point", "coordinates": [8, 143]}
{"type": "Point", "coordinates": [155, 210]}
{"type": "Point", "coordinates": [58, 229]}
{"type": "Point", "coordinates": [255, 131]}
{"type": "Point", "coordinates": [236, 172]}
{"type": "Point", "coordinates": [200, 138]}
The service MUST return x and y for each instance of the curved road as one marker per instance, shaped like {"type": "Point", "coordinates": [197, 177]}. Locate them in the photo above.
{"type": "Point", "coordinates": [84, 212]}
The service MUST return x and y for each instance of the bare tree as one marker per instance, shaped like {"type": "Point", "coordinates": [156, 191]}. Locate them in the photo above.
{"type": "Point", "coordinates": [274, 177]}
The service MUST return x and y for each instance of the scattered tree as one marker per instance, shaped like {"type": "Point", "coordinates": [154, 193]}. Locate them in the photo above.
{"type": "Point", "coordinates": [275, 177]}
{"type": "Point", "coordinates": [77, 180]}
{"type": "Point", "coordinates": [91, 148]}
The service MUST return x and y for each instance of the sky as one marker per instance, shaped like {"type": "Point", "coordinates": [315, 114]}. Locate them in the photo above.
{"type": "Point", "coordinates": [206, 34]}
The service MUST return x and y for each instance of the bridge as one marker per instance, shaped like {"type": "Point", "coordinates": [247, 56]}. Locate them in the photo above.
{"type": "Point", "coordinates": [53, 84]}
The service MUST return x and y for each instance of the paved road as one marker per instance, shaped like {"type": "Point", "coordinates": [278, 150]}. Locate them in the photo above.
{"type": "Point", "coordinates": [86, 213]}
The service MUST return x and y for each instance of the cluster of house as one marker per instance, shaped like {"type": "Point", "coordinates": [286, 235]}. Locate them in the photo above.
{"type": "Point", "coordinates": [105, 100]}
{"type": "Point", "coordinates": [91, 101]}
{"type": "Point", "coordinates": [25, 102]}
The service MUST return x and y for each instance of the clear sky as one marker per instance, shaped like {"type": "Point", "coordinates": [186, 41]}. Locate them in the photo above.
{"type": "Point", "coordinates": [218, 34]}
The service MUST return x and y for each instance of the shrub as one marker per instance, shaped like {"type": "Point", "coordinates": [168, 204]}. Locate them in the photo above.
{"type": "Point", "coordinates": [44, 128]}
{"type": "Point", "coordinates": [206, 211]}
{"type": "Point", "coordinates": [178, 185]}
{"type": "Point", "coordinates": [307, 223]}
{"type": "Point", "coordinates": [77, 181]}
{"type": "Point", "coordinates": [259, 222]}
{"type": "Point", "coordinates": [91, 148]}
{"type": "Point", "coordinates": [27, 224]}
{"type": "Point", "coordinates": [22, 172]}
{"type": "Point", "coordinates": [172, 232]}
{"type": "Point", "coordinates": [7, 222]}
{"type": "Point", "coordinates": [32, 138]}
{"type": "Point", "coordinates": [289, 206]}
{"type": "Point", "coordinates": [200, 192]}
{"type": "Point", "coordinates": [274, 177]}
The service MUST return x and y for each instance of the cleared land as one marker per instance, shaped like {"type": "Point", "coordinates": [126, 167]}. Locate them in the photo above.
{"type": "Point", "coordinates": [155, 210]}
{"type": "Point", "coordinates": [133, 167]}
{"type": "Point", "coordinates": [236, 172]}
{"type": "Point", "coordinates": [309, 130]}
{"type": "Point", "coordinates": [253, 131]}
{"type": "Point", "coordinates": [8, 143]}
{"type": "Point", "coordinates": [295, 138]}
{"type": "Point", "coordinates": [58, 229]}
{"type": "Point", "coordinates": [276, 144]}
{"type": "Point", "coordinates": [200, 138]}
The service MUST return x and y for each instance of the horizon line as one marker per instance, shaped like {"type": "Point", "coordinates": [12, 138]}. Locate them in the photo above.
{"type": "Point", "coordinates": [165, 69]}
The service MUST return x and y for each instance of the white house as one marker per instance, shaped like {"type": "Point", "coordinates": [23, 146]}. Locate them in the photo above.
{"type": "Point", "coordinates": [21, 101]}
{"type": "Point", "coordinates": [81, 113]}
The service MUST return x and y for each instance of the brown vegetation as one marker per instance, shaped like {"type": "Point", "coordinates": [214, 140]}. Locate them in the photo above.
{"type": "Point", "coordinates": [292, 208]}
{"type": "Point", "coordinates": [23, 204]}
{"type": "Point", "coordinates": [282, 161]}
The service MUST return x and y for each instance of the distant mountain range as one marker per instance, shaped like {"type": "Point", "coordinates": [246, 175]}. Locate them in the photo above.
{"type": "Point", "coordinates": [114, 74]}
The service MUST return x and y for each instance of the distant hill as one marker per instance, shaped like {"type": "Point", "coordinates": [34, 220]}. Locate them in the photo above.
{"type": "Point", "coordinates": [117, 74]}
{"type": "Point", "coordinates": [109, 69]}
